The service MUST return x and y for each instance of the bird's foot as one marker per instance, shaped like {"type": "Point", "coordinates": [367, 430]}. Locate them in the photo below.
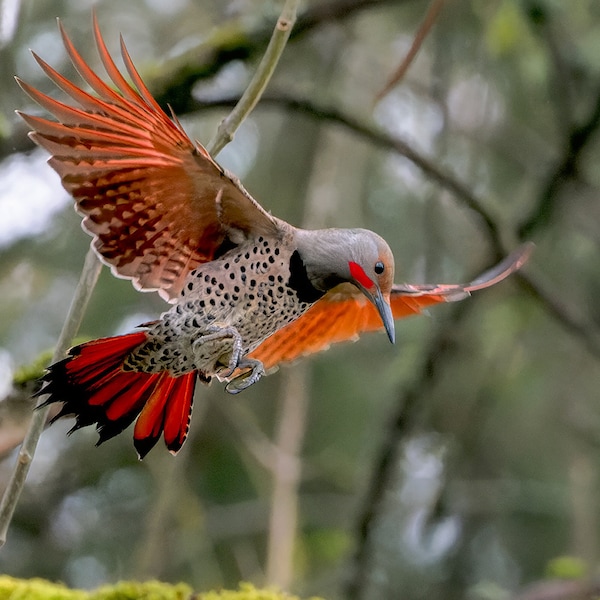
{"type": "Point", "coordinates": [218, 333]}
{"type": "Point", "coordinates": [248, 378]}
{"type": "Point", "coordinates": [253, 369]}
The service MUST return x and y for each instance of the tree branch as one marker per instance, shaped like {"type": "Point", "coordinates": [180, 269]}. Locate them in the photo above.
{"type": "Point", "coordinates": [261, 78]}
{"type": "Point", "coordinates": [576, 137]}
{"type": "Point", "coordinates": [231, 43]}
{"type": "Point", "coordinates": [83, 293]}
{"type": "Point", "coordinates": [384, 140]}
{"type": "Point", "coordinates": [409, 404]}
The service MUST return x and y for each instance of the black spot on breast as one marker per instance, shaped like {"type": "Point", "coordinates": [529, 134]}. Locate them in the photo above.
{"type": "Point", "coordinates": [300, 282]}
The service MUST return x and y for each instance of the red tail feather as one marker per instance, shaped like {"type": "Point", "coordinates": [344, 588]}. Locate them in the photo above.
{"type": "Point", "coordinates": [95, 388]}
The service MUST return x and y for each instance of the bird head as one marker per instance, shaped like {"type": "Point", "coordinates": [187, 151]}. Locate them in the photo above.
{"type": "Point", "coordinates": [356, 256]}
{"type": "Point", "coordinates": [371, 270]}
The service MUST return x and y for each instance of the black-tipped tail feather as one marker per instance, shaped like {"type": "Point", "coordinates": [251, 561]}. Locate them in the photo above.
{"type": "Point", "coordinates": [95, 389]}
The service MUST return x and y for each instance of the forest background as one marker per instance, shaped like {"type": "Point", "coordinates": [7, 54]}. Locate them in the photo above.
{"type": "Point", "coordinates": [463, 460]}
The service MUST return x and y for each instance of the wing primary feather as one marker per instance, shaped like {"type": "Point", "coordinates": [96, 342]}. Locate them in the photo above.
{"type": "Point", "coordinates": [93, 80]}
{"type": "Point", "coordinates": [113, 114]}
{"type": "Point", "coordinates": [137, 80]}
{"type": "Point", "coordinates": [111, 67]}
{"type": "Point", "coordinates": [513, 262]}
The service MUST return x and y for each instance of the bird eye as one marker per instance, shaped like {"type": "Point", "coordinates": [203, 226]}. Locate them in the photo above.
{"type": "Point", "coordinates": [379, 267]}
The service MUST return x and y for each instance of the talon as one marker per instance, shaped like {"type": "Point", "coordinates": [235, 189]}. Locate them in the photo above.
{"type": "Point", "coordinates": [229, 371]}
{"type": "Point", "coordinates": [246, 379]}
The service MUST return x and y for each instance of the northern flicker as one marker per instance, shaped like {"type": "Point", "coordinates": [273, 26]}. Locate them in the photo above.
{"type": "Point", "coordinates": [248, 290]}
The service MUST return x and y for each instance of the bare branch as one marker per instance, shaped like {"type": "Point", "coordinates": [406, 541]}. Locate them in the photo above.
{"type": "Point", "coordinates": [283, 516]}
{"type": "Point", "coordinates": [430, 18]}
{"type": "Point", "coordinates": [261, 78]}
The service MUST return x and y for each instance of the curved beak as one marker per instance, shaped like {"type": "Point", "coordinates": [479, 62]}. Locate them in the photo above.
{"type": "Point", "coordinates": [385, 312]}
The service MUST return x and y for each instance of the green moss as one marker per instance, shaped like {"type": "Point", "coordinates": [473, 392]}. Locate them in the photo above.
{"type": "Point", "coordinates": [36, 589]}
{"type": "Point", "coordinates": [32, 371]}
{"type": "Point", "coordinates": [149, 590]}
{"type": "Point", "coordinates": [37, 367]}
{"type": "Point", "coordinates": [567, 567]}
{"type": "Point", "coordinates": [247, 592]}
{"type": "Point", "coordinates": [40, 589]}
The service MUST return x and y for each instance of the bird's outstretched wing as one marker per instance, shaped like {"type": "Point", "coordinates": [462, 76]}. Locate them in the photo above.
{"type": "Point", "coordinates": [344, 313]}
{"type": "Point", "coordinates": [155, 202]}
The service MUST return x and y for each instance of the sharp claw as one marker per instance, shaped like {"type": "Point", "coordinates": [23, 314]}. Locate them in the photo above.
{"type": "Point", "coordinates": [246, 379]}
{"type": "Point", "coordinates": [229, 372]}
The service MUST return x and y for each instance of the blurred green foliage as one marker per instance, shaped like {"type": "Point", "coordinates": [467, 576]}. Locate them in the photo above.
{"type": "Point", "coordinates": [490, 407]}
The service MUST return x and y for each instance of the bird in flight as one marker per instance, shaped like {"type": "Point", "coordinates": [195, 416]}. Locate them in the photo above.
{"type": "Point", "coordinates": [248, 290]}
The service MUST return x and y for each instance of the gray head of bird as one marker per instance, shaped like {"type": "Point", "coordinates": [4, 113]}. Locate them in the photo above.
{"type": "Point", "coordinates": [356, 256]}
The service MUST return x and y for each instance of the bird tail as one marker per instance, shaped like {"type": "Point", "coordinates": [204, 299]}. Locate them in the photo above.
{"type": "Point", "coordinates": [95, 389]}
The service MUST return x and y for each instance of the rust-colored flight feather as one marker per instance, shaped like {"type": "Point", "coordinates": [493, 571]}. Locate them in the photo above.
{"type": "Point", "coordinates": [155, 202]}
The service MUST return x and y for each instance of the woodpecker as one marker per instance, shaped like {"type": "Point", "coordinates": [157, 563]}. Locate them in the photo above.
{"type": "Point", "coordinates": [248, 290]}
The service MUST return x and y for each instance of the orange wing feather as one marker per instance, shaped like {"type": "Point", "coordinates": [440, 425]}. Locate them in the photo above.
{"type": "Point", "coordinates": [344, 313]}
{"type": "Point", "coordinates": [155, 202]}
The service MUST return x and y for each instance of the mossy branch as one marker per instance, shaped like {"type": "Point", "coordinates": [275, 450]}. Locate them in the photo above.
{"type": "Point", "coordinates": [40, 589]}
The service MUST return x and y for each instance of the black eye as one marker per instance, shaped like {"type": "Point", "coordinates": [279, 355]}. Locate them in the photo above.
{"type": "Point", "coordinates": [379, 267]}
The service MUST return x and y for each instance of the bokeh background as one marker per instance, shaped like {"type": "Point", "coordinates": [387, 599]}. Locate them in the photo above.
{"type": "Point", "coordinates": [462, 462]}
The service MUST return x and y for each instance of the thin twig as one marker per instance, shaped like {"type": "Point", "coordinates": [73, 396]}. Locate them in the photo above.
{"type": "Point", "coordinates": [261, 78]}
{"type": "Point", "coordinates": [92, 265]}
{"type": "Point", "coordinates": [283, 515]}
{"type": "Point", "coordinates": [83, 293]}
{"type": "Point", "coordinates": [425, 27]}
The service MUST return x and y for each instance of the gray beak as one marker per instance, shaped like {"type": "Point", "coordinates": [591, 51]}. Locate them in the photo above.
{"type": "Point", "coordinates": [385, 312]}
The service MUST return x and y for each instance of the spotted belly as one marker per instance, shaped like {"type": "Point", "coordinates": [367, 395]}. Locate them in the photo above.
{"type": "Point", "coordinates": [248, 292]}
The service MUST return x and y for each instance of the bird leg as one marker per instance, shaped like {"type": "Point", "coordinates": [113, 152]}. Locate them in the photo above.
{"type": "Point", "coordinates": [217, 333]}
{"type": "Point", "coordinates": [255, 369]}
{"type": "Point", "coordinates": [248, 378]}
